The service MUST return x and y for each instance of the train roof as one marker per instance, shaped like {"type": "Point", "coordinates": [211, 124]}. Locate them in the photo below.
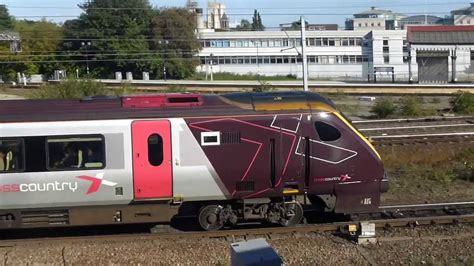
{"type": "Point", "coordinates": [161, 106]}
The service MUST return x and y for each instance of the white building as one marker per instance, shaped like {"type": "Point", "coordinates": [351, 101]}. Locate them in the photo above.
{"type": "Point", "coordinates": [374, 19]}
{"type": "Point", "coordinates": [464, 16]}
{"type": "Point", "coordinates": [341, 55]}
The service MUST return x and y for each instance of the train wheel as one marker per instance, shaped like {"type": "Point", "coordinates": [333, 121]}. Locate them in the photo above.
{"type": "Point", "coordinates": [293, 215]}
{"type": "Point", "coordinates": [209, 218]}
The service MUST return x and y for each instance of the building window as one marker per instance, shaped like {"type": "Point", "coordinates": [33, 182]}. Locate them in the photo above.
{"type": "Point", "coordinates": [327, 132]}
{"type": "Point", "coordinates": [155, 150]}
{"type": "Point", "coordinates": [360, 25]}
{"type": "Point", "coordinates": [73, 153]}
{"type": "Point", "coordinates": [386, 59]}
{"type": "Point", "coordinates": [11, 155]}
{"type": "Point", "coordinates": [385, 42]}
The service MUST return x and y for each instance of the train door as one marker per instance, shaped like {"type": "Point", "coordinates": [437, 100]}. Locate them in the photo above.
{"type": "Point", "coordinates": [152, 169]}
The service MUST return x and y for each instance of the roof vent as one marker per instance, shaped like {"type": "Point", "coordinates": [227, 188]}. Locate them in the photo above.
{"type": "Point", "coordinates": [162, 100]}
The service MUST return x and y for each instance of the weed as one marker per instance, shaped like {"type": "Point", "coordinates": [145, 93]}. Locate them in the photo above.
{"type": "Point", "coordinates": [383, 108]}
{"type": "Point", "coordinates": [74, 89]}
{"type": "Point", "coordinates": [463, 103]}
{"type": "Point", "coordinates": [176, 88]}
{"type": "Point", "coordinates": [410, 106]}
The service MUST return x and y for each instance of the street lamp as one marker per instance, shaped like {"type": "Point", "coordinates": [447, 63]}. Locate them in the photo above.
{"type": "Point", "coordinates": [86, 45]}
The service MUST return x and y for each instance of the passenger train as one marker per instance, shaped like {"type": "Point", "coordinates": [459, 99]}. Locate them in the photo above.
{"type": "Point", "coordinates": [144, 159]}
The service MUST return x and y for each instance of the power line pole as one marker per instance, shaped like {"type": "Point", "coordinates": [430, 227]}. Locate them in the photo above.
{"type": "Point", "coordinates": [303, 54]}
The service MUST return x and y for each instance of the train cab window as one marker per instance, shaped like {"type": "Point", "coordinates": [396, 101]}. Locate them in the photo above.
{"type": "Point", "coordinates": [73, 153]}
{"type": "Point", "coordinates": [155, 150]}
{"type": "Point", "coordinates": [11, 155]}
{"type": "Point", "coordinates": [327, 132]}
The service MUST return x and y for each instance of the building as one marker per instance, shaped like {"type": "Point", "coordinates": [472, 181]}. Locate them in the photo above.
{"type": "Point", "coordinates": [216, 17]}
{"type": "Point", "coordinates": [309, 27]}
{"type": "Point", "coordinates": [441, 54]}
{"type": "Point", "coordinates": [464, 16]}
{"type": "Point", "coordinates": [341, 55]}
{"type": "Point", "coordinates": [374, 19]}
{"type": "Point", "coordinates": [422, 20]}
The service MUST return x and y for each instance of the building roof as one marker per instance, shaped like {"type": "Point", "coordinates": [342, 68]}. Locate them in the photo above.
{"type": "Point", "coordinates": [421, 19]}
{"type": "Point", "coordinates": [450, 35]}
{"type": "Point", "coordinates": [375, 11]}
{"type": "Point", "coordinates": [464, 9]}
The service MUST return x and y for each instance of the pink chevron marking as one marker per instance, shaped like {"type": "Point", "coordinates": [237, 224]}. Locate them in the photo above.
{"type": "Point", "coordinates": [194, 125]}
{"type": "Point", "coordinates": [254, 157]}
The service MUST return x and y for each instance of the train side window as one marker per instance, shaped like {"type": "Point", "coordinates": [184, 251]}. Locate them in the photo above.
{"type": "Point", "coordinates": [155, 150]}
{"type": "Point", "coordinates": [78, 152]}
{"type": "Point", "coordinates": [12, 155]}
{"type": "Point", "coordinates": [327, 132]}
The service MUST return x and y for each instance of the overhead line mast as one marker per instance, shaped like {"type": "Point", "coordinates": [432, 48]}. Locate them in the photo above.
{"type": "Point", "coordinates": [303, 54]}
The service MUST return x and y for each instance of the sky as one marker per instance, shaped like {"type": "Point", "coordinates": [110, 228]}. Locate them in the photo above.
{"type": "Point", "coordinates": [273, 12]}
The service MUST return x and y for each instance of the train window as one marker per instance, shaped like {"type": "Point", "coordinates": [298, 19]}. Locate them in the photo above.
{"type": "Point", "coordinates": [155, 150]}
{"type": "Point", "coordinates": [210, 138]}
{"type": "Point", "coordinates": [327, 132]}
{"type": "Point", "coordinates": [11, 155]}
{"type": "Point", "coordinates": [73, 153]}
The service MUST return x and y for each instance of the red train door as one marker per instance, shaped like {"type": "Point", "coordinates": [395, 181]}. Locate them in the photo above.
{"type": "Point", "coordinates": [152, 170]}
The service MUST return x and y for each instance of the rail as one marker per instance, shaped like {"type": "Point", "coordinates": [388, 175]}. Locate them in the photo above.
{"type": "Point", "coordinates": [387, 216]}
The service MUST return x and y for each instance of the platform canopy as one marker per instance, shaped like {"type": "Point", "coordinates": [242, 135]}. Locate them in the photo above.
{"type": "Point", "coordinates": [441, 35]}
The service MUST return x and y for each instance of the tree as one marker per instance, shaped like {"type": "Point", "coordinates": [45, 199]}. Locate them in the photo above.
{"type": "Point", "coordinates": [40, 41]}
{"type": "Point", "coordinates": [176, 42]}
{"type": "Point", "coordinates": [6, 21]}
{"type": "Point", "coordinates": [257, 24]}
{"type": "Point", "coordinates": [112, 36]}
{"type": "Point", "coordinates": [244, 25]}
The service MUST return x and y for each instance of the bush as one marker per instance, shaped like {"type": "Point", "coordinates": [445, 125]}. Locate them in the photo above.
{"type": "Point", "coordinates": [74, 89]}
{"type": "Point", "coordinates": [410, 106]}
{"type": "Point", "coordinates": [383, 108]}
{"type": "Point", "coordinates": [463, 103]}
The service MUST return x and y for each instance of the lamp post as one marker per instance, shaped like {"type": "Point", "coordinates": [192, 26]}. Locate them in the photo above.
{"type": "Point", "coordinates": [86, 45]}
{"type": "Point", "coordinates": [163, 44]}
{"type": "Point", "coordinates": [212, 63]}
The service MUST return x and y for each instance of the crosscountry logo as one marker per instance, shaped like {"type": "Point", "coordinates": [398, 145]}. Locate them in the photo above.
{"type": "Point", "coordinates": [97, 181]}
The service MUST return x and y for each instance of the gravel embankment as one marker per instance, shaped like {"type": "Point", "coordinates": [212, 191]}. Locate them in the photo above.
{"type": "Point", "coordinates": [432, 245]}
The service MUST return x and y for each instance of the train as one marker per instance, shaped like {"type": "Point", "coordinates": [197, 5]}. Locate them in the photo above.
{"type": "Point", "coordinates": [223, 159]}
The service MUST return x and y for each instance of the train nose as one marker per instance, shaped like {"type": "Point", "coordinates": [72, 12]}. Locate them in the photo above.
{"type": "Point", "coordinates": [384, 183]}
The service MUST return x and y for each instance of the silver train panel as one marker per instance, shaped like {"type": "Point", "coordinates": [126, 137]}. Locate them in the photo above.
{"type": "Point", "coordinates": [194, 177]}
{"type": "Point", "coordinates": [112, 185]}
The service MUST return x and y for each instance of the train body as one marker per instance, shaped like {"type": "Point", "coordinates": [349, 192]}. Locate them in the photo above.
{"type": "Point", "coordinates": [143, 159]}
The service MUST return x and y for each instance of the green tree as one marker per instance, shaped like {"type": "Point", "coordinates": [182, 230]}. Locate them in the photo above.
{"type": "Point", "coordinates": [112, 35]}
{"type": "Point", "coordinates": [6, 21]}
{"type": "Point", "coordinates": [257, 24]}
{"type": "Point", "coordinates": [176, 42]}
{"type": "Point", "coordinates": [245, 25]}
{"type": "Point", "coordinates": [40, 41]}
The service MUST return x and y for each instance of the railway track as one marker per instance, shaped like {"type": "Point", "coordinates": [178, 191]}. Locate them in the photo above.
{"type": "Point", "coordinates": [418, 130]}
{"type": "Point", "coordinates": [386, 217]}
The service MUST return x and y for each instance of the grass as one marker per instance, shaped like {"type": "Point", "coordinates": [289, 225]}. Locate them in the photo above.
{"type": "Point", "coordinates": [442, 171]}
